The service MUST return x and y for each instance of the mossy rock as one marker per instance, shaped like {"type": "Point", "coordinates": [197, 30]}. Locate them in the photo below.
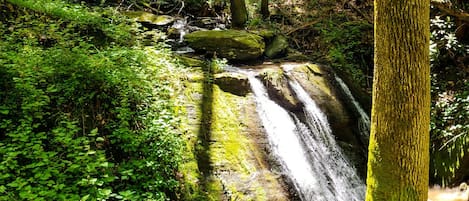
{"type": "Point", "coordinates": [234, 83]}
{"type": "Point", "coordinates": [277, 48]}
{"type": "Point", "coordinates": [267, 34]}
{"type": "Point", "coordinates": [230, 44]}
{"type": "Point", "coordinates": [191, 62]}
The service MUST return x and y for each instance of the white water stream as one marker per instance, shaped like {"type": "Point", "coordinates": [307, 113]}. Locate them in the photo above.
{"type": "Point", "coordinates": [342, 182]}
{"type": "Point", "coordinates": [364, 119]}
{"type": "Point", "coordinates": [308, 154]}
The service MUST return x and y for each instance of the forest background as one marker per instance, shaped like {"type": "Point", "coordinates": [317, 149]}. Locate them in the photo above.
{"type": "Point", "coordinates": [87, 109]}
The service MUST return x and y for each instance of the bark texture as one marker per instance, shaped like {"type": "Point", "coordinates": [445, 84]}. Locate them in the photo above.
{"type": "Point", "coordinates": [265, 9]}
{"type": "Point", "coordinates": [239, 14]}
{"type": "Point", "coordinates": [398, 158]}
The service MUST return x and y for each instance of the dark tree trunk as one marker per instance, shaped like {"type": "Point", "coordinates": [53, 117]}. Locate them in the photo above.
{"type": "Point", "coordinates": [265, 9]}
{"type": "Point", "coordinates": [239, 14]}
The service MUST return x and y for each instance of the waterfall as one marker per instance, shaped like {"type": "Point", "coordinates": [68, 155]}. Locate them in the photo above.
{"type": "Point", "coordinates": [325, 155]}
{"type": "Point", "coordinates": [308, 154]}
{"type": "Point", "coordinates": [364, 120]}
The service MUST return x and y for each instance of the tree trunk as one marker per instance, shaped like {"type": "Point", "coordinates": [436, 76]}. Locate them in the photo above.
{"type": "Point", "coordinates": [265, 9]}
{"type": "Point", "coordinates": [239, 14]}
{"type": "Point", "coordinates": [398, 158]}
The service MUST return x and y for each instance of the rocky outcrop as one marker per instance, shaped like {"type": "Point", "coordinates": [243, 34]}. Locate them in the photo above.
{"type": "Point", "coordinates": [191, 62]}
{"type": "Point", "coordinates": [227, 114]}
{"type": "Point", "coordinates": [234, 83]}
{"type": "Point", "coordinates": [279, 90]}
{"type": "Point", "coordinates": [316, 81]}
{"type": "Point", "coordinates": [230, 44]}
{"type": "Point", "coordinates": [226, 156]}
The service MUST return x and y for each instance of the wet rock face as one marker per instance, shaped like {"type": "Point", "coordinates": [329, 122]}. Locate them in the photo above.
{"type": "Point", "coordinates": [234, 83]}
{"type": "Point", "coordinates": [279, 90]}
{"type": "Point", "coordinates": [317, 82]}
{"type": "Point", "coordinates": [230, 44]}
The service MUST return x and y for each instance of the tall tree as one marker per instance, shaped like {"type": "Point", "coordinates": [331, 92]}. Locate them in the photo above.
{"type": "Point", "coordinates": [239, 14]}
{"type": "Point", "coordinates": [398, 158]}
{"type": "Point", "coordinates": [265, 9]}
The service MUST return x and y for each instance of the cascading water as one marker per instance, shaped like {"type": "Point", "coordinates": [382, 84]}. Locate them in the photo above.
{"type": "Point", "coordinates": [364, 119]}
{"type": "Point", "coordinates": [325, 155]}
{"type": "Point", "coordinates": [308, 154]}
{"type": "Point", "coordinates": [284, 140]}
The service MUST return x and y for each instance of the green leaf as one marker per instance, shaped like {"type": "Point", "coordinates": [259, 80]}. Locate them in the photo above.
{"type": "Point", "coordinates": [93, 132]}
{"type": "Point", "coordinates": [4, 111]}
{"type": "Point", "coordinates": [84, 198]}
{"type": "Point", "coordinates": [105, 192]}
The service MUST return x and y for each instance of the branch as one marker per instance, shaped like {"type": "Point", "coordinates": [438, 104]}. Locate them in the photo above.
{"type": "Point", "coordinates": [461, 15]}
{"type": "Point", "coordinates": [367, 17]}
{"type": "Point", "coordinates": [303, 26]}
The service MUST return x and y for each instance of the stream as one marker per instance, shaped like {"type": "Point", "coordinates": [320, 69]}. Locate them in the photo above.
{"type": "Point", "coordinates": [363, 118]}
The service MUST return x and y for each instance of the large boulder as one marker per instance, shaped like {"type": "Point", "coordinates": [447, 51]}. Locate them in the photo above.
{"type": "Point", "coordinates": [230, 44]}
{"type": "Point", "coordinates": [277, 48]}
{"type": "Point", "coordinates": [234, 83]}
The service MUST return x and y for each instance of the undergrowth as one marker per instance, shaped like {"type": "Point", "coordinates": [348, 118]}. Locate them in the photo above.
{"type": "Point", "coordinates": [106, 22]}
{"type": "Point", "coordinates": [450, 104]}
{"type": "Point", "coordinates": [350, 51]}
{"type": "Point", "coordinates": [81, 120]}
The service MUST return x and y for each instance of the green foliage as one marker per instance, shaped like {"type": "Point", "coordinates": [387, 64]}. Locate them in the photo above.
{"type": "Point", "coordinates": [217, 65]}
{"type": "Point", "coordinates": [156, 6]}
{"type": "Point", "coordinates": [450, 103]}
{"type": "Point", "coordinates": [81, 122]}
{"type": "Point", "coordinates": [350, 50]}
{"type": "Point", "coordinates": [449, 132]}
{"type": "Point", "coordinates": [444, 46]}
{"type": "Point", "coordinates": [108, 21]}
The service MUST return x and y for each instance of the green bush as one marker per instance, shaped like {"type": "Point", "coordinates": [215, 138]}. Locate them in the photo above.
{"type": "Point", "coordinates": [105, 23]}
{"type": "Point", "coordinates": [350, 51]}
{"type": "Point", "coordinates": [450, 104]}
{"type": "Point", "coordinates": [449, 134]}
{"type": "Point", "coordinates": [78, 122]}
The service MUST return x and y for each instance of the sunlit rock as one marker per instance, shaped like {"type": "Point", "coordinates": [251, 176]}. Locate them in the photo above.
{"type": "Point", "coordinates": [317, 82]}
{"type": "Point", "coordinates": [192, 62]}
{"type": "Point", "coordinates": [230, 44]}
{"type": "Point", "coordinates": [146, 17]}
{"type": "Point", "coordinates": [449, 194]}
{"type": "Point", "coordinates": [234, 83]}
{"type": "Point", "coordinates": [278, 89]}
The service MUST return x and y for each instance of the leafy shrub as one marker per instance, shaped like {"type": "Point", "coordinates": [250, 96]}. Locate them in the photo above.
{"type": "Point", "coordinates": [107, 22]}
{"type": "Point", "coordinates": [449, 133]}
{"type": "Point", "coordinates": [79, 122]}
{"type": "Point", "coordinates": [350, 50]}
{"type": "Point", "coordinates": [450, 103]}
